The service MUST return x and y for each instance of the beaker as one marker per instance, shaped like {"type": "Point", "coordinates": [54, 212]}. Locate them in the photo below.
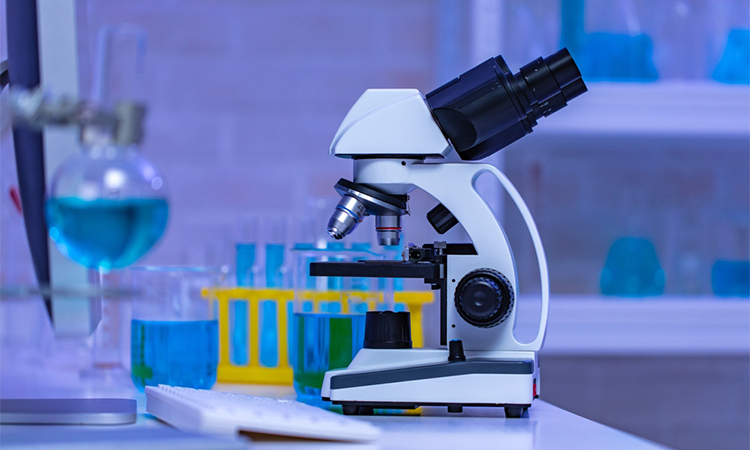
{"type": "Point", "coordinates": [328, 323]}
{"type": "Point", "coordinates": [174, 331]}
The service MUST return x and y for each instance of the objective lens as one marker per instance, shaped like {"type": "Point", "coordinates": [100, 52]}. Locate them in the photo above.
{"type": "Point", "coordinates": [388, 229]}
{"type": "Point", "coordinates": [348, 214]}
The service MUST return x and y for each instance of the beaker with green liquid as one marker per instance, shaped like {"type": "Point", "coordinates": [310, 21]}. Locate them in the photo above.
{"type": "Point", "coordinates": [328, 323]}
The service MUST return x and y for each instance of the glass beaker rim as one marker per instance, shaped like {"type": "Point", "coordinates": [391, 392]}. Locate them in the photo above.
{"type": "Point", "coordinates": [176, 269]}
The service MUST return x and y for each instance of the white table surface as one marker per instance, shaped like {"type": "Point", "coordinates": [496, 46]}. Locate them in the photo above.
{"type": "Point", "coordinates": [545, 426]}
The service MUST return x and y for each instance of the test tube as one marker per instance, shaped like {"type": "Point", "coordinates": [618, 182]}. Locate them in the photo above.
{"type": "Point", "coordinates": [246, 268]}
{"type": "Point", "coordinates": [275, 234]}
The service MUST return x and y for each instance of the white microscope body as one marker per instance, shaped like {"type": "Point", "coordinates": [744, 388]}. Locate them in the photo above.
{"type": "Point", "coordinates": [397, 140]}
{"type": "Point", "coordinates": [412, 130]}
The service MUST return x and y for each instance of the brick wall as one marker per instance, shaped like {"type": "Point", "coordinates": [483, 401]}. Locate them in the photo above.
{"type": "Point", "coordinates": [245, 97]}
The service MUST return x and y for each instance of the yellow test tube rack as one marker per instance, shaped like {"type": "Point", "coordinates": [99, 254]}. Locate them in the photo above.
{"type": "Point", "coordinates": [254, 372]}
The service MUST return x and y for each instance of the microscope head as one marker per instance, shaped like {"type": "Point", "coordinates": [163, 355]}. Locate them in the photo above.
{"type": "Point", "coordinates": [476, 114]}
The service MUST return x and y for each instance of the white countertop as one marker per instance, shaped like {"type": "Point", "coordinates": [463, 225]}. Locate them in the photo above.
{"type": "Point", "coordinates": [544, 427]}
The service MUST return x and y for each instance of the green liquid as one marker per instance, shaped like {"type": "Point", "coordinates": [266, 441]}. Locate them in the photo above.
{"type": "Point", "coordinates": [107, 234]}
{"type": "Point", "coordinates": [323, 342]}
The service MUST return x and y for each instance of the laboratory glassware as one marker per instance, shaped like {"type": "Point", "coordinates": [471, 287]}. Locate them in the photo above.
{"type": "Point", "coordinates": [730, 278]}
{"type": "Point", "coordinates": [328, 323]}
{"type": "Point", "coordinates": [174, 331]}
{"type": "Point", "coordinates": [107, 205]}
{"type": "Point", "coordinates": [632, 269]}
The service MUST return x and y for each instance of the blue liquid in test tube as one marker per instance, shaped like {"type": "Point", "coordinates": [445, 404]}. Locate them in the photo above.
{"type": "Point", "coordinates": [268, 328]}
{"type": "Point", "coordinates": [245, 263]}
{"type": "Point", "coordinates": [245, 277]}
{"type": "Point", "coordinates": [335, 283]}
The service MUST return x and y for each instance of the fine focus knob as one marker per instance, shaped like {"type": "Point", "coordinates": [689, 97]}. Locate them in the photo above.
{"type": "Point", "coordinates": [387, 329]}
{"type": "Point", "coordinates": [484, 298]}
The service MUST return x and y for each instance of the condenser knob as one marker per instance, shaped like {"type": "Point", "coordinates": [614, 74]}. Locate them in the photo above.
{"type": "Point", "coordinates": [484, 298]}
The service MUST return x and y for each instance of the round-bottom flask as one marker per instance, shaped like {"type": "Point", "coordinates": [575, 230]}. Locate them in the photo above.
{"type": "Point", "coordinates": [106, 207]}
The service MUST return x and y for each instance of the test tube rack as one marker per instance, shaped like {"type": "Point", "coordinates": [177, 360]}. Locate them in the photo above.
{"type": "Point", "coordinates": [254, 372]}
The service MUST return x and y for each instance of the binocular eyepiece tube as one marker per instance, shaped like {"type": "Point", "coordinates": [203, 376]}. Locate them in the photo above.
{"type": "Point", "coordinates": [488, 107]}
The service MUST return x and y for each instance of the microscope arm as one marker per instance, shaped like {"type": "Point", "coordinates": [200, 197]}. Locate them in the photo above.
{"type": "Point", "coordinates": [538, 341]}
{"type": "Point", "coordinates": [480, 223]}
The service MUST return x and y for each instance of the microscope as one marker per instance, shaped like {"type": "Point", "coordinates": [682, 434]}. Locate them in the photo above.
{"type": "Point", "coordinates": [400, 140]}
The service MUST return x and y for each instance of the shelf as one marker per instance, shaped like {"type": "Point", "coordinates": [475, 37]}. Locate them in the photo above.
{"type": "Point", "coordinates": [596, 325]}
{"type": "Point", "coordinates": [684, 109]}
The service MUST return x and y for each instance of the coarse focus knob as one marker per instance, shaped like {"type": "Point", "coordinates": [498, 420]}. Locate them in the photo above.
{"type": "Point", "coordinates": [387, 329]}
{"type": "Point", "coordinates": [484, 298]}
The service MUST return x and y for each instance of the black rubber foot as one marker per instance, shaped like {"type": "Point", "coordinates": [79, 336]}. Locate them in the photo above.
{"type": "Point", "coordinates": [350, 410]}
{"type": "Point", "coordinates": [514, 412]}
{"type": "Point", "coordinates": [357, 410]}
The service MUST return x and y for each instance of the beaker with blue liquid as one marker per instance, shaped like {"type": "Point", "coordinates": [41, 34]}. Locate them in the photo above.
{"type": "Point", "coordinates": [328, 323]}
{"type": "Point", "coordinates": [174, 332]}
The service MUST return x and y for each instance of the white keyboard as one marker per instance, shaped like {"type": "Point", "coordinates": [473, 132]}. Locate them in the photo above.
{"type": "Point", "coordinates": [197, 410]}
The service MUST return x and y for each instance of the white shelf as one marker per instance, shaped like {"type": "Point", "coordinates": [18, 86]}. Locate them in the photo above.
{"type": "Point", "coordinates": [687, 109]}
{"type": "Point", "coordinates": [649, 326]}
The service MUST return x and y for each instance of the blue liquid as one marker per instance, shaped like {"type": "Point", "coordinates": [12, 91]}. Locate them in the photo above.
{"type": "Point", "coordinates": [105, 234]}
{"type": "Point", "coordinates": [602, 55]}
{"type": "Point", "coordinates": [239, 352]}
{"type": "Point", "coordinates": [734, 66]}
{"type": "Point", "coordinates": [174, 353]}
{"type": "Point", "coordinates": [335, 283]}
{"type": "Point", "coordinates": [323, 342]}
{"type": "Point", "coordinates": [269, 349]}
{"type": "Point", "coordinates": [632, 269]}
{"type": "Point", "coordinates": [269, 343]}
{"type": "Point", "coordinates": [245, 261]}
{"type": "Point", "coordinates": [731, 278]}
{"type": "Point", "coordinates": [274, 264]}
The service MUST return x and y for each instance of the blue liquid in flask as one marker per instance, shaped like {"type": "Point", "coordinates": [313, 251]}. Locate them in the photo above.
{"type": "Point", "coordinates": [174, 353]}
{"type": "Point", "coordinates": [107, 234]}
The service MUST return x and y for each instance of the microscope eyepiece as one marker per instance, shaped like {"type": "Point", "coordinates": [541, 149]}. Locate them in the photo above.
{"type": "Point", "coordinates": [488, 107]}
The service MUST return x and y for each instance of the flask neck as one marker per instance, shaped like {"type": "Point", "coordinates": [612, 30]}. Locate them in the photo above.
{"type": "Point", "coordinates": [126, 131]}
{"type": "Point", "coordinates": [107, 149]}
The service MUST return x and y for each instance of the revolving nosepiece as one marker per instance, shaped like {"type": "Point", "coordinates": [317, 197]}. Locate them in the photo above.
{"type": "Point", "coordinates": [357, 201]}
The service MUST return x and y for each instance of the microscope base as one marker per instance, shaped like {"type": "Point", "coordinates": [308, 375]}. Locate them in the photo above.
{"type": "Point", "coordinates": [509, 380]}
